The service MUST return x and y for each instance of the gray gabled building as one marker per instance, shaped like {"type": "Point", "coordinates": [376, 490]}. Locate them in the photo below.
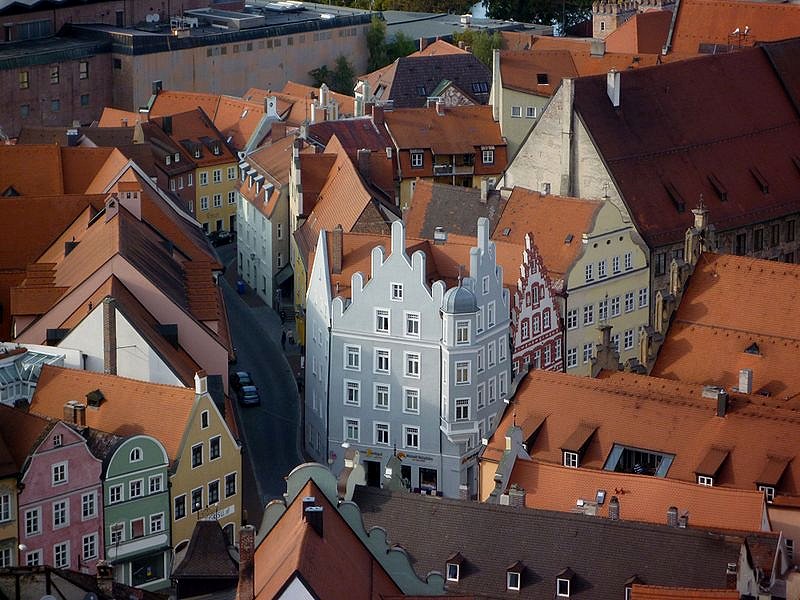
{"type": "Point", "coordinates": [398, 363]}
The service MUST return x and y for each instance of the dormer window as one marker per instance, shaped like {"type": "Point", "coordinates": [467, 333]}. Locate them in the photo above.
{"type": "Point", "coordinates": [168, 159]}
{"type": "Point", "coordinates": [136, 455]}
{"type": "Point", "coordinates": [454, 563]}
{"type": "Point", "coordinates": [177, 157]}
{"type": "Point", "coordinates": [705, 480]}
{"type": "Point", "coordinates": [58, 440]}
{"type": "Point", "coordinates": [570, 459]}
{"type": "Point", "coordinates": [514, 576]}
{"type": "Point", "coordinates": [197, 152]}
{"type": "Point", "coordinates": [564, 583]}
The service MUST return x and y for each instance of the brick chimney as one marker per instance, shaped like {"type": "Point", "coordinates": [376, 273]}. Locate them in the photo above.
{"type": "Point", "coordinates": [247, 549]}
{"type": "Point", "coordinates": [613, 87]}
{"type": "Point", "coordinates": [313, 515]}
{"type": "Point", "coordinates": [105, 578]}
{"type": "Point", "coordinates": [672, 516]}
{"type": "Point", "coordinates": [75, 413]}
{"type": "Point", "coordinates": [363, 162]}
{"type": "Point", "coordinates": [377, 115]}
{"type": "Point", "coordinates": [746, 381]}
{"type": "Point", "coordinates": [109, 336]}
{"type": "Point", "coordinates": [337, 250]}
{"type": "Point", "coordinates": [516, 496]}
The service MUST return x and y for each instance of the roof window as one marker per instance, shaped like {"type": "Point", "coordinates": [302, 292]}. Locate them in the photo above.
{"type": "Point", "coordinates": [454, 563]}
{"type": "Point", "coordinates": [542, 79]}
{"type": "Point", "coordinates": [762, 182]}
{"type": "Point", "coordinates": [627, 459]}
{"type": "Point", "coordinates": [514, 576]}
{"type": "Point", "coordinates": [564, 583]}
{"type": "Point", "coordinates": [719, 189]}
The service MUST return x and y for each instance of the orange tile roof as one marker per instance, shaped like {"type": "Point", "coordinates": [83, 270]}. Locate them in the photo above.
{"type": "Point", "coordinates": [196, 126]}
{"type": "Point", "coordinates": [114, 117]}
{"type": "Point", "coordinates": [275, 159]}
{"type": "Point", "coordinates": [237, 119]}
{"type": "Point", "coordinates": [707, 321]}
{"type": "Point", "coordinates": [304, 93]}
{"type": "Point", "coordinates": [655, 592]}
{"type": "Point", "coordinates": [551, 220]}
{"type": "Point", "coordinates": [660, 415]}
{"type": "Point", "coordinates": [47, 170]}
{"type": "Point", "coordinates": [458, 131]}
{"type": "Point", "coordinates": [713, 21]}
{"type": "Point", "coordinates": [519, 70]}
{"type": "Point", "coordinates": [315, 169]}
{"type": "Point", "coordinates": [643, 33]}
{"type": "Point", "coordinates": [170, 102]}
{"type": "Point", "coordinates": [641, 497]}
{"type": "Point", "coordinates": [439, 47]}
{"type": "Point", "coordinates": [129, 407]}
{"type": "Point", "coordinates": [293, 548]}
{"type": "Point", "coordinates": [22, 432]}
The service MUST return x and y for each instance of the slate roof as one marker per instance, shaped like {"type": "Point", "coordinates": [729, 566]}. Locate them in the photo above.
{"type": "Point", "coordinates": [408, 73]}
{"type": "Point", "coordinates": [207, 556]}
{"type": "Point", "coordinates": [455, 208]}
{"type": "Point", "coordinates": [658, 415]}
{"type": "Point", "coordinates": [602, 554]}
{"type": "Point", "coordinates": [677, 137]}
{"type": "Point", "coordinates": [129, 407]}
{"type": "Point", "coordinates": [713, 318]}
{"type": "Point", "coordinates": [707, 23]}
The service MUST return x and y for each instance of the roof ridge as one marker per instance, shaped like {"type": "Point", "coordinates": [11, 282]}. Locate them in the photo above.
{"type": "Point", "coordinates": [97, 374]}
{"type": "Point", "coordinates": [742, 331]}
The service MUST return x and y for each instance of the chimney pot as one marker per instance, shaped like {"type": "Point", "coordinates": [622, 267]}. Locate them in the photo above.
{"type": "Point", "coordinates": [613, 83]}
{"type": "Point", "coordinates": [746, 381]}
{"type": "Point", "coordinates": [672, 516]}
{"type": "Point", "coordinates": [313, 515]}
{"type": "Point", "coordinates": [613, 508]}
{"type": "Point", "coordinates": [338, 241]}
{"type": "Point", "coordinates": [363, 162]}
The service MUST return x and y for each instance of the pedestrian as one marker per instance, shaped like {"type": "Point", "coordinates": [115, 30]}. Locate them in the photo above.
{"type": "Point", "coordinates": [283, 339]}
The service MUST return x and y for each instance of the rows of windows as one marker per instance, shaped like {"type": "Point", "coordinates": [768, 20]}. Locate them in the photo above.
{"type": "Point", "coordinates": [628, 343]}
{"type": "Point", "coordinates": [136, 528]}
{"type": "Point", "coordinates": [607, 308]}
{"type": "Point", "coordinates": [602, 267]}
{"type": "Point", "coordinates": [136, 489]}
{"type": "Point", "coordinates": [543, 356]}
{"type": "Point", "coordinates": [530, 112]}
{"type": "Point", "coordinates": [538, 323]}
{"type": "Point", "coordinates": [381, 434]}
{"type": "Point", "coordinates": [212, 496]}
{"type": "Point", "coordinates": [24, 76]}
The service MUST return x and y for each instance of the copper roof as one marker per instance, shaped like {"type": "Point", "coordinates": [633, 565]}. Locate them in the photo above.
{"type": "Point", "coordinates": [129, 406]}
{"type": "Point", "coordinates": [740, 335]}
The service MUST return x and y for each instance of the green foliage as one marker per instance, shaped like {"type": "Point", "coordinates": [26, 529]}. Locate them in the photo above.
{"type": "Point", "coordinates": [481, 42]}
{"type": "Point", "coordinates": [320, 75]}
{"type": "Point", "coordinates": [401, 45]}
{"type": "Point", "coordinates": [339, 79]}
{"type": "Point", "coordinates": [544, 12]}
{"type": "Point", "coordinates": [376, 44]}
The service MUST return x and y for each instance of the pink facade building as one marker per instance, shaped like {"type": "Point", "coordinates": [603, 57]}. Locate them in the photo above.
{"type": "Point", "coordinates": [60, 505]}
{"type": "Point", "coordinates": [536, 326]}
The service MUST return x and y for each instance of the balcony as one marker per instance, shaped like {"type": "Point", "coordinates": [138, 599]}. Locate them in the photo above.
{"type": "Point", "coordinates": [445, 170]}
{"type": "Point", "coordinates": [458, 431]}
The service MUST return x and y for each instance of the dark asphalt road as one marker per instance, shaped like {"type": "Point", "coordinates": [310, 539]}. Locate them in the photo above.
{"type": "Point", "coordinates": [271, 432]}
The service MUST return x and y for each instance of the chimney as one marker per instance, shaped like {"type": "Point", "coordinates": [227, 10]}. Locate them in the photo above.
{"type": "Point", "coordinates": [746, 381]}
{"type": "Point", "coordinates": [509, 443]}
{"type": "Point", "coordinates": [440, 107]}
{"type": "Point", "coordinates": [672, 516]}
{"type": "Point", "coordinates": [613, 82]}
{"type": "Point", "coordinates": [439, 235]}
{"type": "Point", "coordinates": [109, 336]}
{"type": "Point", "coordinates": [713, 392]}
{"type": "Point", "coordinates": [157, 86]}
{"type": "Point", "coordinates": [423, 43]}
{"type": "Point", "coordinates": [484, 190]}
{"type": "Point", "coordinates": [271, 106]}
{"type": "Point", "coordinates": [72, 137]}
{"type": "Point", "coordinates": [313, 515]}
{"type": "Point", "coordinates": [377, 115]}
{"type": "Point", "coordinates": [278, 131]}
{"type": "Point", "coordinates": [247, 543]}
{"type": "Point", "coordinates": [200, 383]}
{"type": "Point", "coordinates": [105, 578]}
{"type": "Point", "coordinates": [597, 48]}
{"type": "Point", "coordinates": [69, 247]}
{"type": "Point", "coordinates": [463, 490]}
{"type": "Point", "coordinates": [363, 162]}
{"type": "Point", "coordinates": [336, 259]}
{"type": "Point", "coordinates": [516, 496]}
{"type": "Point", "coordinates": [613, 508]}
{"type": "Point", "coordinates": [166, 124]}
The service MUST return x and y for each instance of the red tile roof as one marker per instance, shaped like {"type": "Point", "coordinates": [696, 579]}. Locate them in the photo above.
{"type": "Point", "coordinates": [129, 407]}
{"type": "Point", "coordinates": [521, 69]}
{"type": "Point", "coordinates": [641, 497]}
{"type": "Point", "coordinates": [195, 126]}
{"type": "Point", "coordinates": [439, 47]}
{"type": "Point", "coordinates": [39, 170]}
{"type": "Point", "coordinates": [114, 117]}
{"type": "Point", "coordinates": [21, 432]}
{"type": "Point", "coordinates": [643, 33]}
{"type": "Point", "coordinates": [708, 321]}
{"type": "Point", "coordinates": [655, 592]}
{"type": "Point", "coordinates": [713, 21]}
{"type": "Point", "coordinates": [677, 137]}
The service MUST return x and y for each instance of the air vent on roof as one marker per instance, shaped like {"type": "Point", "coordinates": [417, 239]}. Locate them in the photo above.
{"type": "Point", "coordinates": [95, 398]}
{"type": "Point", "coordinates": [542, 79]}
{"type": "Point", "coordinates": [675, 196]}
{"type": "Point", "coordinates": [720, 190]}
{"type": "Point", "coordinates": [753, 349]}
{"type": "Point", "coordinates": [569, 238]}
{"type": "Point", "coordinates": [506, 231]}
{"type": "Point", "coordinates": [760, 180]}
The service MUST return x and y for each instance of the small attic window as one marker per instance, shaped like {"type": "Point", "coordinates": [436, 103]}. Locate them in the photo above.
{"type": "Point", "coordinates": [719, 189]}
{"type": "Point", "coordinates": [506, 231]}
{"type": "Point", "coordinates": [244, 113]}
{"type": "Point", "coordinates": [454, 563]}
{"type": "Point", "coordinates": [514, 576]}
{"type": "Point", "coordinates": [177, 157]}
{"type": "Point", "coordinates": [569, 238]}
{"type": "Point", "coordinates": [562, 588]}
{"type": "Point", "coordinates": [168, 159]}
{"type": "Point", "coordinates": [542, 79]}
{"type": "Point", "coordinates": [421, 91]}
{"type": "Point", "coordinates": [762, 182]}
{"type": "Point", "coordinates": [753, 349]}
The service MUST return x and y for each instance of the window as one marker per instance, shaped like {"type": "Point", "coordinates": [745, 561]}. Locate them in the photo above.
{"type": "Point", "coordinates": [156, 484]}
{"type": "Point", "coordinates": [602, 310]}
{"type": "Point", "coordinates": [61, 555]}
{"type": "Point", "coordinates": [54, 74]}
{"type": "Point", "coordinates": [203, 202]}
{"type": "Point", "coordinates": [513, 580]}
{"type": "Point", "coordinates": [5, 507]}
{"type": "Point", "coordinates": [462, 333]}
{"type": "Point", "coordinates": [570, 459]}
{"type": "Point", "coordinates": [33, 559]}
{"type": "Point", "coordinates": [485, 284]}
{"type": "Point", "coordinates": [412, 324]}
{"type": "Point", "coordinates": [630, 303]}
{"type": "Point", "coordinates": [397, 292]}
{"type": "Point", "coordinates": [588, 314]}
{"type": "Point", "coordinates": [351, 430]}
{"type": "Point", "coordinates": [572, 318]}
{"type": "Point", "coordinates": [180, 509]}
{"type": "Point", "coordinates": [352, 393]}
{"type": "Point", "coordinates": [412, 364]}
{"type": "Point", "coordinates": [381, 400]}
{"type": "Point", "coordinates": [661, 263]}
{"type": "Point", "coordinates": [462, 372]}
{"type": "Point", "coordinates": [452, 571]}
{"type": "Point", "coordinates": [24, 110]}
{"type": "Point", "coordinates": [546, 320]}
{"type": "Point", "coordinates": [643, 296]}
{"type": "Point", "coordinates": [88, 505]}
{"type": "Point", "coordinates": [411, 400]}
{"type": "Point", "coordinates": [59, 473]}
{"type": "Point", "coordinates": [352, 358]}
{"type": "Point", "coordinates": [516, 112]}
{"type": "Point", "coordinates": [115, 494]}
{"type": "Point", "coordinates": [85, 101]}
{"type": "Point", "coordinates": [381, 434]}
{"type": "Point", "coordinates": [197, 499]}
{"type": "Point", "coordinates": [758, 239]}
{"type": "Point", "coordinates": [789, 549]}
{"type": "Point", "coordinates": [172, 184]}
{"type": "Point", "coordinates": [615, 265]}
{"type": "Point", "coordinates": [24, 80]}
{"type": "Point", "coordinates": [628, 261]}
{"type": "Point", "coordinates": [197, 455]}
{"type": "Point", "coordinates": [589, 272]}
{"type": "Point", "coordinates": [214, 447]}
{"type": "Point", "coordinates": [562, 588]}
{"type": "Point", "coordinates": [381, 320]}
{"type": "Point", "coordinates": [157, 521]}
{"type": "Point", "coordinates": [136, 455]}
{"type": "Point", "coordinates": [382, 360]}
{"type": "Point", "coordinates": [487, 156]}
{"type": "Point", "coordinates": [231, 173]}
{"type": "Point", "coordinates": [462, 409]}
{"type": "Point", "coordinates": [217, 175]}
{"type": "Point", "coordinates": [60, 514]}
{"type": "Point", "coordinates": [230, 484]}
{"type": "Point", "coordinates": [615, 304]}
{"type": "Point", "coordinates": [628, 339]}
{"type": "Point", "coordinates": [615, 341]}
{"type": "Point", "coordinates": [775, 234]}
{"type": "Point", "coordinates": [189, 177]}
{"type": "Point", "coordinates": [232, 200]}
{"type": "Point", "coordinates": [83, 70]}
{"type": "Point", "coordinates": [410, 437]}
{"type": "Point", "coordinates": [705, 480]}
{"type": "Point", "coordinates": [89, 546]}
{"type": "Point", "coordinates": [572, 358]}
{"type": "Point", "coordinates": [790, 231]}
{"type": "Point", "coordinates": [217, 200]}
{"type": "Point", "coordinates": [213, 492]}
{"type": "Point", "coordinates": [481, 395]}
{"type": "Point", "coordinates": [490, 315]}
{"type": "Point", "coordinates": [769, 492]}
{"type": "Point", "coordinates": [204, 420]}
{"type": "Point", "coordinates": [587, 352]}
{"type": "Point", "coordinates": [530, 112]}
{"type": "Point", "coordinates": [490, 350]}
{"type": "Point", "coordinates": [416, 159]}
{"type": "Point", "coordinates": [601, 269]}
{"type": "Point", "coordinates": [480, 360]}
{"type": "Point", "coordinates": [5, 558]}
{"type": "Point", "coordinates": [135, 488]}
{"type": "Point", "coordinates": [204, 178]}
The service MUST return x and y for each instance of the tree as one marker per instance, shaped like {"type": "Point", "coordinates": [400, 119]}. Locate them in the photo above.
{"type": "Point", "coordinates": [320, 75]}
{"type": "Point", "coordinates": [543, 12]}
{"type": "Point", "coordinates": [401, 45]}
{"type": "Point", "coordinates": [376, 44]}
{"type": "Point", "coordinates": [343, 76]}
{"type": "Point", "coordinates": [481, 42]}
